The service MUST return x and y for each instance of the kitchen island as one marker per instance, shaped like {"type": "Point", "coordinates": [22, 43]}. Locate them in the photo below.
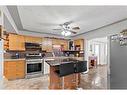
{"type": "Point", "coordinates": [70, 81]}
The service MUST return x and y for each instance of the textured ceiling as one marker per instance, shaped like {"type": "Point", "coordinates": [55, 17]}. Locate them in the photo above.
{"type": "Point", "coordinates": [45, 18]}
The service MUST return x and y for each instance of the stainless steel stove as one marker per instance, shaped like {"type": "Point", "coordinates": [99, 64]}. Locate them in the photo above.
{"type": "Point", "coordinates": [34, 65]}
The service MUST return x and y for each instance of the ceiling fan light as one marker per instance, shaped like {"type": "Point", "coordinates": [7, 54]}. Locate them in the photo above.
{"type": "Point", "coordinates": [66, 33]}
{"type": "Point", "coordinates": [63, 32]}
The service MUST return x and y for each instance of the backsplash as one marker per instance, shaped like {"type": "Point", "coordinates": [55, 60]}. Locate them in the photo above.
{"type": "Point", "coordinates": [14, 55]}
{"type": "Point", "coordinates": [22, 54]}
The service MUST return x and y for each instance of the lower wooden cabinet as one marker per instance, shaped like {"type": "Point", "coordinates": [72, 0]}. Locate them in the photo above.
{"type": "Point", "coordinates": [14, 69]}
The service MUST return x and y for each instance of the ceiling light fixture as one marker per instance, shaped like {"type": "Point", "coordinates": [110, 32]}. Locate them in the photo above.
{"type": "Point", "coordinates": [66, 33]}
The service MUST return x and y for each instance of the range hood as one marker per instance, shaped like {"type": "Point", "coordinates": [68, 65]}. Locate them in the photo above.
{"type": "Point", "coordinates": [33, 46]}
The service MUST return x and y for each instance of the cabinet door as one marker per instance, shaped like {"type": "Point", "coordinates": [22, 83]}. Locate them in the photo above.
{"type": "Point", "coordinates": [65, 44]}
{"type": "Point", "coordinates": [79, 42]}
{"type": "Point", "coordinates": [37, 40]}
{"type": "Point", "coordinates": [16, 42]}
{"type": "Point", "coordinates": [47, 44]}
{"type": "Point", "coordinates": [10, 70]}
{"type": "Point", "coordinates": [13, 42]}
{"type": "Point", "coordinates": [11, 76]}
{"type": "Point", "coordinates": [33, 39]}
{"type": "Point", "coordinates": [20, 42]}
{"type": "Point", "coordinates": [20, 69]}
{"type": "Point", "coordinates": [56, 42]}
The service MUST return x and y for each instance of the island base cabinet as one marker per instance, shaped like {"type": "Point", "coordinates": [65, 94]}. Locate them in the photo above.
{"type": "Point", "coordinates": [70, 81]}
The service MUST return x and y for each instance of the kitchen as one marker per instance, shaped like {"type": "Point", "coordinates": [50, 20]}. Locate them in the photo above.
{"type": "Point", "coordinates": [27, 55]}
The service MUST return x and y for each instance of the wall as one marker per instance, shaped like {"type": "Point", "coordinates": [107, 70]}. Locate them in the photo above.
{"type": "Point", "coordinates": [7, 25]}
{"type": "Point", "coordinates": [0, 20]}
{"type": "Point", "coordinates": [1, 62]}
{"type": "Point", "coordinates": [1, 53]}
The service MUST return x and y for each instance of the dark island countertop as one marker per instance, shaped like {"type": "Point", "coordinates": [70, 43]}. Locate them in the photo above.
{"type": "Point", "coordinates": [57, 62]}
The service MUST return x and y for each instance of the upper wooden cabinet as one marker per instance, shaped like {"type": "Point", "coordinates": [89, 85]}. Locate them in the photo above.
{"type": "Point", "coordinates": [1, 31]}
{"type": "Point", "coordinates": [60, 42]}
{"type": "Point", "coordinates": [16, 42]}
{"type": "Point", "coordinates": [47, 44]}
{"type": "Point", "coordinates": [79, 42]}
{"type": "Point", "coordinates": [33, 39]}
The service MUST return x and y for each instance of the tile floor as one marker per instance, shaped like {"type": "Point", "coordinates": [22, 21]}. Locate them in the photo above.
{"type": "Point", "coordinates": [96, 78]}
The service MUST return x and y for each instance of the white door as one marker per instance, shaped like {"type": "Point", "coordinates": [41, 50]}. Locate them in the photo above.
{"type": "Point", "coordinates": [100, 50]}
{"type": "Point", "coordinates": [97, 52]}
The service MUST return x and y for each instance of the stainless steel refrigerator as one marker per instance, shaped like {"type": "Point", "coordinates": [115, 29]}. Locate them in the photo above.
{"type": "Point", "coordinates": [118, 65]}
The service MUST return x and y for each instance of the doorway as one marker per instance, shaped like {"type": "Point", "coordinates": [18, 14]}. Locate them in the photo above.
{"type": "Point", "coordinates": [96, 77]}
{"type": "Point", "coordinates": [98, 48]}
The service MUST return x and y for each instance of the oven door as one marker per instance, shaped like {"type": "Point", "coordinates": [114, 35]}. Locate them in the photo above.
{"type": "Point", "coordinates": [33, 68]}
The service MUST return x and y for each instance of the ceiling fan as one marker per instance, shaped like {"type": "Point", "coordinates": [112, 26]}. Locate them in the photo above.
{"type": "Point", "coordinates": [66, 30]}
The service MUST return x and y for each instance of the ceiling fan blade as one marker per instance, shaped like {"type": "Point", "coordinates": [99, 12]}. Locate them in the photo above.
{"type": "Point", "coordinates": [57, 29]}
{"type": "Point", "coordinates": [73, 32]}
{"type": "Point", "coordinates": [67, 23]}
{"type": "Point", "coordinates": [75, 28]}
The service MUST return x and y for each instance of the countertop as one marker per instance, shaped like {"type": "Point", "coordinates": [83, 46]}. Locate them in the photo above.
{"type": "Point", "coordinates": [59, 61]}
{"type": "Point", "coordinates": [48, 58]}
{"type": "Point", "coordinates": [63, 57]}
{"type": "Point", "coordinates": [14, 59]}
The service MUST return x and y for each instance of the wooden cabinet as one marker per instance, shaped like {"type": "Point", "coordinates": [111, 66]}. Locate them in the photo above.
{"type": "Point", "coordinates": [33, 39]}
{"type": "Point", "coordinates": [16, 42]}
{"type": "Point", "coordinates": [6, 42]}
{"type": "Point", "coordinates": [64, 43]}
{"type": "Point", "coordinates": [79, 42]}
{"type": "Point", "coordinates": [1, 31]}
{"type": "Point", "coordinates": [47, 44]}
{"type": "Point", "coordinates": [14, 69]}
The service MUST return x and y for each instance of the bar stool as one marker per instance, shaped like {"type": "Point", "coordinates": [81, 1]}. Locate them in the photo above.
{"type": "Point", "coordinates": [80, 66]}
